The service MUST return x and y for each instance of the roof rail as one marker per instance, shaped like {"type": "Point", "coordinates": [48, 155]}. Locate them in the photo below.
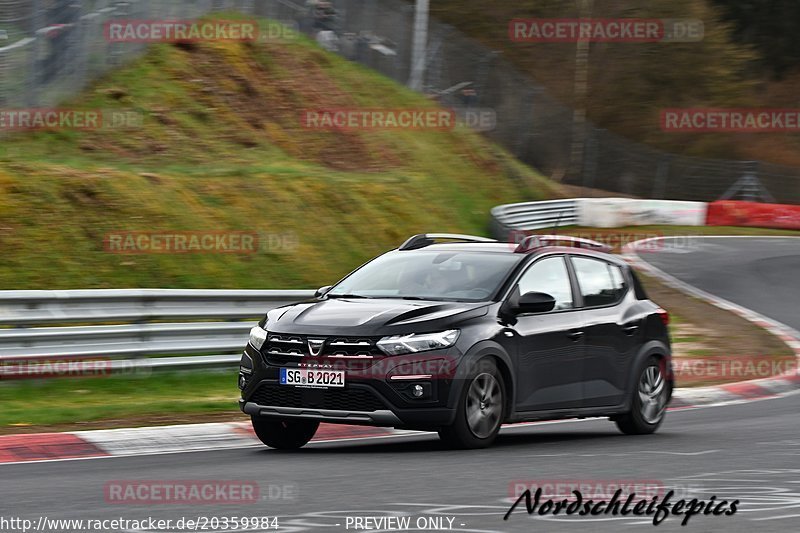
{"type": "Point", "coordinates": [532, 242]}
{"type": "Point", "coordinates": [426, 239]}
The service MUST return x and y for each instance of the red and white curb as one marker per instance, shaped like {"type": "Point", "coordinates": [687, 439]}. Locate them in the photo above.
{"type": "Point", "coordinates": [157, 440]}
{"type": "Point", "coordinates": [745, 390]}
{"type": "Point", "coordinates": [46, 446]}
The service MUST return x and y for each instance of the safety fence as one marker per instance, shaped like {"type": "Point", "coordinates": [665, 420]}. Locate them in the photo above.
{"type": "Point", "coordinates": [55, 48]}
{"type": "Point", "coordinates": [129, 329]}
{"type": "Point", "coordinates": [516, 219]}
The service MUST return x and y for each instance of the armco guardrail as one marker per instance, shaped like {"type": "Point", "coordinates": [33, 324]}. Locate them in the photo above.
{"type": "Point", "coordinates": [533, 215]}
{"type": "Point", "coordinates": [594, 212]}
{"type": "Point", "coordinates": [29, 308]}
{"type": "Point", "coordinates": [130, 342]}
{"type": "Point", "coordinates": [123, 340]}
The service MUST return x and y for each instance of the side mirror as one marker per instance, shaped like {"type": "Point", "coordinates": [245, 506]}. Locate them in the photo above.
{"type": "Point", "coordinates": [322, 291]}
{"type": "Point", "coordinates": [535, 302]}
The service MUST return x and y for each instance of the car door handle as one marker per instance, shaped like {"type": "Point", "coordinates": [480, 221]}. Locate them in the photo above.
{"type": "Point", "coordinates": [575, 334]}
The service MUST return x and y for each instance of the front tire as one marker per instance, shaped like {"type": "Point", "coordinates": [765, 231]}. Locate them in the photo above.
{"type": "Point", "coordinates": [480, 409]}
{"type": "Point", "coordinates": [284, 434]}
{"type": "Point", "coordinates": [649, 401]}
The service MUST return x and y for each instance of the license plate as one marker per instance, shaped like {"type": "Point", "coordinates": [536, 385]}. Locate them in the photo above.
{"type": "Point", "coordinates": [322, 379]}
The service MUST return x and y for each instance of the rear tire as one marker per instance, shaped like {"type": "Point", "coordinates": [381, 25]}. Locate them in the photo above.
{"type": "Point", "coordinates": [649, 401]}
{"type": "Point", "coordinates": [284, 434]}
{"type": "Point", "coordinates": [480, 409]}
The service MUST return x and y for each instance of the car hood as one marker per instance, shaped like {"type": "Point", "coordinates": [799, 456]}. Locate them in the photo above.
{"type": "Point", "coordinates": [343, 316]}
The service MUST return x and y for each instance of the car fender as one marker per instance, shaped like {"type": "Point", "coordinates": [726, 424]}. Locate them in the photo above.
{"type": "Point", "coordinates": [467, 365]}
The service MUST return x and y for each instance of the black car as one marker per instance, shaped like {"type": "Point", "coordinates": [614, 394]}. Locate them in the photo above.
{"type": "Point", "coordinates": [459, 337]}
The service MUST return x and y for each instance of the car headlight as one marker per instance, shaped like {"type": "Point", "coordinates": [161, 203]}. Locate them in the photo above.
{"type": "Point", "coordinates": [258, 337]}
{"type": "Point", "coordinates": [417, 342]}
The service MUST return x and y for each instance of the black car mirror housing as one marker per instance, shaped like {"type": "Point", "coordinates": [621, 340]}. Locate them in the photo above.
{"type": "Point", "coordinates": [535, 302]}
{"type": "Point", "coordinates": [322, 291]}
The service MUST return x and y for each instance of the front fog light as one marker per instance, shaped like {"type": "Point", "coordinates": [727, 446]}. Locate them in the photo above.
{"type": "Point", "coordinates": [258, 337]}
{"type": "Point", "coordinates": [422, 391]}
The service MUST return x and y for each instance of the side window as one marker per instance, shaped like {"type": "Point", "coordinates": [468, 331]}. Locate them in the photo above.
{"type": "Point", "coordinates": [550, 276]}
{"type": "Point", "coordinates": [600, 283]}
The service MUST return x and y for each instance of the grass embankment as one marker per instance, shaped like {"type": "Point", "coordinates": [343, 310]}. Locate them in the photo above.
{"type": "Point", "coordinates": [222, 148]}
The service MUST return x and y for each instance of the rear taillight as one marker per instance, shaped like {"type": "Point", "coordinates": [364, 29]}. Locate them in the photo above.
{"type": "Point", "coordinates": [664, 315]}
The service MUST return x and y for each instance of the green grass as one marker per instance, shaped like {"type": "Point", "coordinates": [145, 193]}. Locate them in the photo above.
{"type": "Point", "coordinates": [689, 338]}
{"type": "Point", "coordinates": [83, 400]}
{"type": "Point", "coordinates": [700, 352]}
{"type": "Point", "coordinates": [221, 147]}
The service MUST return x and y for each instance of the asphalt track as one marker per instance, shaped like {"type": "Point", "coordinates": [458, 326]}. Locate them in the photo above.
{"type": "Point", "coordinates": [746, 451]}
{"type": "Point", "coordinates": [761, 274]}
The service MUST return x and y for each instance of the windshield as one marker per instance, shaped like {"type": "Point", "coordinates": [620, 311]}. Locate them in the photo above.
{"type": "Point", "coordinates": [429, 275]}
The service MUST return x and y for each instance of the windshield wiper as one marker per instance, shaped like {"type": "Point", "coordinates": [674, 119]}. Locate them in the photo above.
{"type": "Point", "coordinates": [346, 296]}
{"type": "Point", "coordinates": [423, 298]}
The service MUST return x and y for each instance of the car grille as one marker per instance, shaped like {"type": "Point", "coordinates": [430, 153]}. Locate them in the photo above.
{"type": "Point", "coordinates": [281, 349]}
{"type": "Point", "coordinates": [337, 400]}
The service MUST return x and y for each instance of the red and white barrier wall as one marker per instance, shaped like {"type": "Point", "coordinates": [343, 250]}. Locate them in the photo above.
{"type": "Point", "coordinates": [733, 213]}
{"type": "Point", "coordinates": [621, 212]}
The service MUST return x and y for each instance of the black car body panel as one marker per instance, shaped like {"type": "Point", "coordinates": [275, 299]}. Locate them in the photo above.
{"type": "Point", "coordinates": [373, 316]}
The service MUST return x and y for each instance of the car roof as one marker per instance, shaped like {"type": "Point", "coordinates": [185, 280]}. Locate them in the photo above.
{"type": "Point", "coordinates": [491, 247]}
{"type": "Point", "coordinates": [509, 248]}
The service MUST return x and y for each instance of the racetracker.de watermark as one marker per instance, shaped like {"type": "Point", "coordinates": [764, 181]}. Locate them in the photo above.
{"type": "Point", "coordinates": [596, 488]}
{"type": "Point", "coordinates": [647, 241]}
{"type": "Point", "coordinates": [198, 242]}
{"type": "Point", "coordinates": [479, 119]}
{"type": "Point", "coordinates": [173, 31]}
{"type": "Point", "coordinates": [236, 523]}
{"type": "Point", "coordinates": [621, 30]}
{"type": "Point", "coordinates": [707, 120]}
{"type": "Point", "coordinates": [54, 367]}
{"type": "Point", "coordinates": [67, 367]}
{"type": "Point", "coordinates": [410, 367]}
{"type": "Point", "coordinates": [741, 368]}
{"type": "Point", "coordinates": [195, 492]}
{"type": "Point", "coordinates": [379, 119]}
{"type": "Point", "coordinates": [68, 119]}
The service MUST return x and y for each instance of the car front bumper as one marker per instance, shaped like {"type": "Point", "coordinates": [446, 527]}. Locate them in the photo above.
{"type": "Point", "coordinates": [367, 398]}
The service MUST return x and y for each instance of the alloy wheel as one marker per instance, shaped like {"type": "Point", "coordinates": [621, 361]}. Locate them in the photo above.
{"type": "Point", "coordinates": [484, 405]}
{"type": "Point", "coordinates": [652, 394]}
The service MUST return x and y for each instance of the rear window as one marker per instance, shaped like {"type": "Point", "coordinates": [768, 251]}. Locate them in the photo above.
{"type": "Point", "coordinates": [638, 288]}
